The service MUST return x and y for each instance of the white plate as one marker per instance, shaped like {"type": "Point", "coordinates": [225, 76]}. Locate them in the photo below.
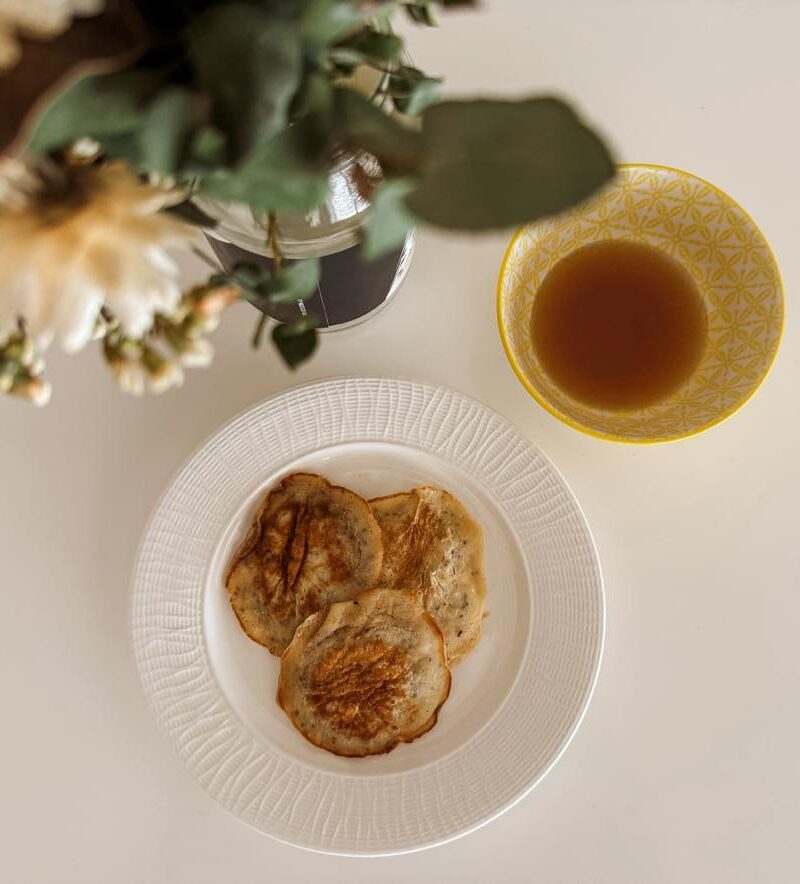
{"type": "Point", "coordinates": [516, 700]}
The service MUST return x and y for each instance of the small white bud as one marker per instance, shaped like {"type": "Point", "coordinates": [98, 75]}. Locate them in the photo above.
{"type": "Point", "coordinates": [170, 374]}
{"type": "Point", "coordinates": [197, 354]}
{"type": "Point", "coordinates": [130, 376]}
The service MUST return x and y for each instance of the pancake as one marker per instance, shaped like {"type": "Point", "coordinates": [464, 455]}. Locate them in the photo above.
{"type": "Point", "coordinates": [365, 675]}
{"type": "Point", "coordinates": [433, 549]}
{"type": "Point", "coordinates": [310, 544]}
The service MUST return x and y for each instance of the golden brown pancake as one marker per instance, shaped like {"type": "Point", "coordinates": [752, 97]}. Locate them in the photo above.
{"type": "Point", "coordinates": [310, 544]}
{"type": "Point", "coordinates": [365, 675]}
{"type": "Point", "coordinates": [433, 548]}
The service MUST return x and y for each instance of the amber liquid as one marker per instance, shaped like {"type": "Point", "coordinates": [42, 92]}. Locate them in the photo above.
{"type": "Point", "coordinates": [619, 325]}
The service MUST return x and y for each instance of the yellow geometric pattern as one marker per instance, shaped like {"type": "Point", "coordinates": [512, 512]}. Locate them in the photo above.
{"type": "Point", "coordinates": [721, 247]}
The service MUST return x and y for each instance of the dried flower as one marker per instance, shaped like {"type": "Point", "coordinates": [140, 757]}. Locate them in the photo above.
{"type": "Point", "coordinates": [34, 389]}
{"type": "Point", "coordinates": [130, 376]}
{"type": "Point", "coordinates": [210, 300]}
{"type": "Point", "coordinates": [210, 323]}
{"type": "Point", "coordinates": [6, 379]}
{"type": "Point", "coordinates": [197, 353]}
{"type": "Point", "coordinates": [20, 369]}
{"type": "Point", "coordinates": [168, 376]}
{"type": "Point", "coordinates": [83, 152]}
{"type": "Point", "coordinates": [19, 183]}
{"type": "Point", "coordinates": [87, 237]}
{"type": "Point", "coordinates": [124, 360]}
{"type": "Point", "coordinates": [158, 358]}
{"type": "Point", "coordinates": [37, 18]}
{"type": "Point", "coordinates": [162, 373]}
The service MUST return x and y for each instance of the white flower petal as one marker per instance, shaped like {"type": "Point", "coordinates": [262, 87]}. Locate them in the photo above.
{"type": "Point", "coordinates": [109, 251]}
{"type": "Point", "coordinates": [77, 317]}
{"type": "Point", "coordinates": [161, 260]}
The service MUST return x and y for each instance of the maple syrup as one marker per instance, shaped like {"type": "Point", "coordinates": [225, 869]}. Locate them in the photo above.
{"type": "Point", "coordinates": [619, 325]}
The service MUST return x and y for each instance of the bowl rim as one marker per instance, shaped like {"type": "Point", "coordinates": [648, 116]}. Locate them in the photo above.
{"type": "Point", "coordinates": [612, 437]}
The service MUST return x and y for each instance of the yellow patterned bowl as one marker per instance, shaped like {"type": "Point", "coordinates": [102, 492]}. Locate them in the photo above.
{"type": "Point", "coordinates": [720, 246]}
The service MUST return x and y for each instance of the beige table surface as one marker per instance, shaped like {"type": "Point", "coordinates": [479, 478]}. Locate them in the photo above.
{"type": "Point", "coordinates": [686, 767]}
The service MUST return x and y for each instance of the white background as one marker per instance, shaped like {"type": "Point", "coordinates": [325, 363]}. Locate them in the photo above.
{"type": "Point", "coordinates": [686, 767]}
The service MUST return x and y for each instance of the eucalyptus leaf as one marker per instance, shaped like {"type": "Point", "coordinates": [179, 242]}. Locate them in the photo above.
{"type": "Point", "coordinates": [287, 172]}
{"type": "Point", "coordinates": [251, 64]}
{"type": "Point", "coordinates": [375, 45]}
{"type": "Point", "coordinates": [289, 10]}
{"type": "Point", "coordinates": [389, 220]}
{"type": "Point", "coordinates": [207, 147]}
{"type": "Point", "coordinates": [262, 285]}
{"type": "Point", "coordinates": [95, 106]}
{"type": "Point", "coordinates": [296, 342]}
{"type": "Point", "coordinates": [327, 21]}
{"type": "Point", "coordinates": [412, 91]}
{"type": "Point", "coordinates": [249, 276]}
{"type": "Point", "coordinates": [167, 129]}
{"type": "Point", "coordinates": [105, 40]}
{"type": "Point", "coordinates": [315, 96]}
{"type": "Point", "coordinates": [422, 13]}
{"type": "Point", "coordinates": [381, 13]}
{"type": "Point", "coordinates": [297, 280]}
{"type": "Point", "coordinates": [362, 125]}
{"type": "Point", "coordinates": [346, 58]}
{"type": "Point", "coordinates": [492, 164]}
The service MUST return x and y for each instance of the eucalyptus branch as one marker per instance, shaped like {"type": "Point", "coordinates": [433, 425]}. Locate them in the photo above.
{"type": "Point", "coordinates": [274, 245]}
{"type": "Point", "coordinates": [273, 241]}
{"type": "Point", "coordinates": [255, 343]}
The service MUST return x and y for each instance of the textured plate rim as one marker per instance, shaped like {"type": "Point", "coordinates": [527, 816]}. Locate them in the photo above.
{"type": "Point", "coordinates": [599, 599]}
{"type": "Point", "coordinates": [611, 437]}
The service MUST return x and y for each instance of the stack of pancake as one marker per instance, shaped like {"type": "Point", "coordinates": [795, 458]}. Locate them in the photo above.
{"type": "Point", "coordinates": [367, 603]}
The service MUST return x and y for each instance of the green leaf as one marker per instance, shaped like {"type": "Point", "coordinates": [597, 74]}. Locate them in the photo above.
{"type": "Point", "coordinates": [295, 342]}
{"type": "Point", "coordinates": [315, 96]}
{"type": "Point", "coordinates": [297, 280]}
{"type": "Point", "coordinates": [389, 220]}
{"type": "Point", "coordinates": [327, 21]}
{"type": "Point", "coordinates": [362, 125]}
{"type": "Point", "coordinates": [290, 10]}
{"type": "Point", "coordinates": [251, 64]}
{"type": "Point", "coordinates": [381, 14]}
{"type": "Point", "coordinates": [96, 106]}
{"type": "Point", "coordinates": [422, 13]}
{"type": "Point", "coordinates": [288, 172]}
{"type": "Point", "coordinates": [412, 91]}
{"type": "Point", "coordinates": [49, 64]}
{"type": "Point", "coordinates": [346, 59]}
{"type": "Point", "coordinates": [167, 129]}
{"type": "Point", "coordinates": [492, 164]}
{"type": "Point", "coordinates": [249, 276]}
{"type": "Point", "coordinates": [375, 45]}
{"type": "Point", "coordinates": [207, 147]}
